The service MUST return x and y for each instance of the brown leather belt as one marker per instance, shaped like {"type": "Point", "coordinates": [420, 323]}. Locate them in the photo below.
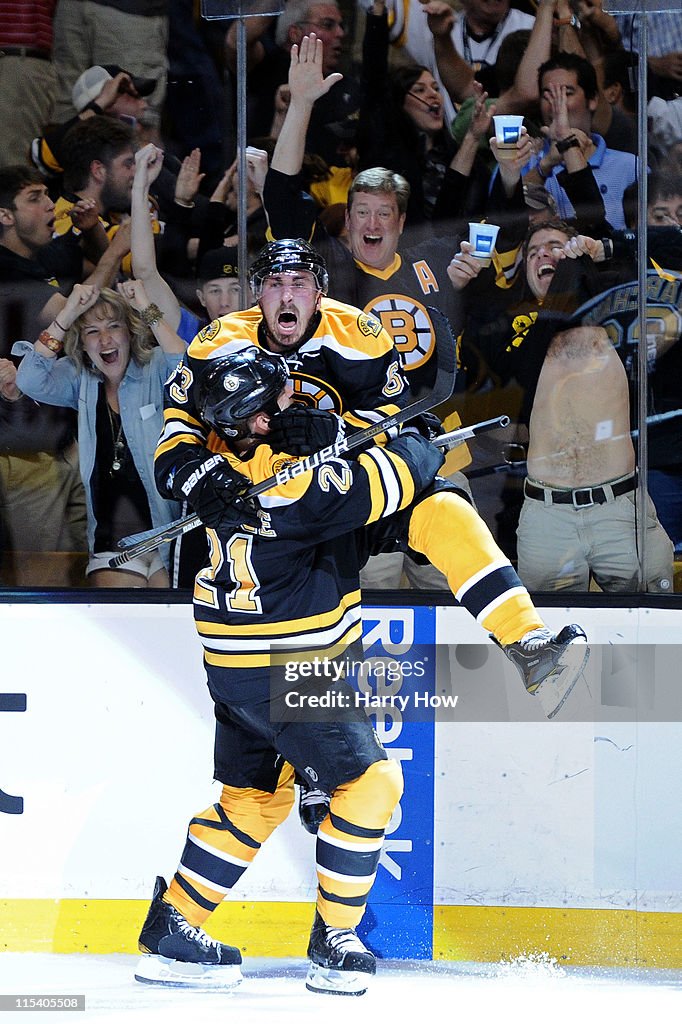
{"type": "Point", "coordinates": [24, 51]}
{"type": "Point", "coordinates": [581, 497]}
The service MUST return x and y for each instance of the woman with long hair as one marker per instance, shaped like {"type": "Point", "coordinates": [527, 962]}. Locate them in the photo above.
{"type": "Point", "coordinates": [108, 355]}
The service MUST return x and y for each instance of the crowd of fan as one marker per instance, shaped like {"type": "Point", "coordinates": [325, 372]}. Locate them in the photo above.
{"type": "Point", "coordinates": [118, 218]}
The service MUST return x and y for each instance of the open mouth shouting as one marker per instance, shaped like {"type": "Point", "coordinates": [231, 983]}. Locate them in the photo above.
{"type": "Point", "coordinates": [109, 356]}
{"type": "Point", "coordinates": [287, 322]}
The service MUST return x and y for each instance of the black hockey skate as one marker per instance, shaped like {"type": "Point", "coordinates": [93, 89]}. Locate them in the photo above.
{"type": "Point", "coordinates": [313, 807]}
{"type": "Point", "coordinates": [177, 953]}
{"type": "Point", "coordinates": [550, 663]}
{"type": "Point", "coordinates": [339, 962]}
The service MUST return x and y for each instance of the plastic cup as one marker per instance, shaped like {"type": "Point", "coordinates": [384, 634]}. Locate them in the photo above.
{"type": "Point", "coordinates": [482, 238]}
{"type": "Point", "coordinates": [508, 130]}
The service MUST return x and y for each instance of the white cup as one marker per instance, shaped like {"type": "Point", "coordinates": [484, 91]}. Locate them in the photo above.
{"type": "Point", "coordinates": [482, 238]}
{"type": "Point", "coordinates": [508, 129]}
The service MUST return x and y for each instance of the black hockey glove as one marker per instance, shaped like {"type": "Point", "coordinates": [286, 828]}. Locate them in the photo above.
{"type": "Point", "coordinates": [215, 492]}
{"type": "Point", "coordinates": [301, 431]}
{"type": "Point", "coordinates": [423, 458]}
{"type": "Point", "coordinates": [427, 425]}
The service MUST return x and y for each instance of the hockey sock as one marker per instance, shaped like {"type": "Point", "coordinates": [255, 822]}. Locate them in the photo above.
{"type": "Point", "coordinates": [221, 843]}
{"type": "Point", "coordinates": [452, 535]}
{"type": "Point", "coordinates": [349, 842]}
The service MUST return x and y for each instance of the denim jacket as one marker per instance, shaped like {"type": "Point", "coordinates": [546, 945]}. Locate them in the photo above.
{"type": "Point", "coordinates": [59, 382]}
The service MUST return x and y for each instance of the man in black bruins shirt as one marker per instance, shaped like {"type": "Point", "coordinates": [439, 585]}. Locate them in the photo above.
{"type": "Point", "coordinates": [289, 580]}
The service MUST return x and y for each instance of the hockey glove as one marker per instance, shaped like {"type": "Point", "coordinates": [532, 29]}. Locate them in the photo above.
{"type": "Point", "coordinates": [301, 431]}
{"type": "Point", "coordinates": [423, 458]}
{"type": "Point", "coordinates": [427, 425]}
{"type": "Point", "coordinates": [216, 493]}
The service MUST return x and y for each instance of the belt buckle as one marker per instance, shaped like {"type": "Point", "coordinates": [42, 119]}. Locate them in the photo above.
{"type": "Point", "coordinates": [583, 504]}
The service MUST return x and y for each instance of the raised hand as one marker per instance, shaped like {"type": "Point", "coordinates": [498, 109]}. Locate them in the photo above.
{"type": "Point", "coordinates": [512, 161]}
{"type": "Point", "coordinates": [463, 268]}
{"type": "Point", "coordinates": [81, 298]}
{"type": "Point", "coordinates": [583, 245]}
{"type": "Point", "coordinates": [559, 127]}
{"type": "Point", "coordinates": [440, 16]}
{"type": "Point", "coordinates": [306, 80]}
{"type": "Point", "coordinates": [189, 178]}
{"type": "Point", "coordinates": [133, 291]}
{"type": "Point", "coordinates": [122, 82]}
{"type": "Point", "coordinates": [482, 115]}
{"type": "Point", "coordinates": [256, 167]}
{"type": "Point", "coordinates": [148, 164]}
{"type": "Point", "coordinates": [84, 216]}
{"type": "Point", "coordinates": [8, 376]}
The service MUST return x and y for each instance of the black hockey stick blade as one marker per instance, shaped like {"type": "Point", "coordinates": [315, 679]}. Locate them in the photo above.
{"type": "Point", "coordinates": [443, 386]}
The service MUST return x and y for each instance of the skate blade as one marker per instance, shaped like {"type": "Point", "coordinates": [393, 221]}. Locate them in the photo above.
{"type": "Point", "coordinates": [327, 981]}
{"type": "Point", "coordinates": [553, 691]}
{"type": "Point", "coordinates": [160, 970]}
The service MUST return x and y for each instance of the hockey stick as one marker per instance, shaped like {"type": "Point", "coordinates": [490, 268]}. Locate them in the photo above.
{"type": "Point", "coordinates": [139, 543]}
{"type": "Point", "coordinates": [462, 434]}
{"type": "Point", "coordinates": [444, 385]}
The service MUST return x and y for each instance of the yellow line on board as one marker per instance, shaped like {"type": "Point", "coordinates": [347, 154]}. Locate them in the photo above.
{"type": "Point", "coordinates": [609, 938]}
{"type": "Point", "coordinates": [112, 926]}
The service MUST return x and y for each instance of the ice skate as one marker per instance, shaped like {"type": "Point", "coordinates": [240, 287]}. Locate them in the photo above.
{"type": "Point", "coordinates": [176, 953]}
{"type": "Point", "coordinates": [340, 963]}
{"type": "Point", "coordinates": [550, 663]}
{"type": "Point", "coordinates": [313, 807]}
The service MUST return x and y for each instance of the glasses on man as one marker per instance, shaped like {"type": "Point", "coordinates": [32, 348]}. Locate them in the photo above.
{"type": "Point", "coordinates": [328, 24]}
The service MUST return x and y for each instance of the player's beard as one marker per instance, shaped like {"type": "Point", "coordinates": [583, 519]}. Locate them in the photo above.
{"type": "Point", "coordinates": [282, 344]}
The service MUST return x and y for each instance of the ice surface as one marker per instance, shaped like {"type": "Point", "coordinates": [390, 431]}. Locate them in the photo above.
{"type": "Point", "coordinates": [412, 992]}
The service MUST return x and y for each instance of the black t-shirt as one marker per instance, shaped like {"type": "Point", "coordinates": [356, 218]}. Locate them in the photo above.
{"type": "Point", "coordinates": [119, 499]}
{"type": "Point", "coordinates": [28, 426]}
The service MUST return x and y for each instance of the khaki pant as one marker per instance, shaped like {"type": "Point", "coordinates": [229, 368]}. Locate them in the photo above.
{"type": "Point", "coordinates": [26, 100]}
{"type": "Point", "coordinates": [560, 548]}
{"type": "Point", "coordinates": [42, 520]}
{"type": "Point", "coordinates": [86, 34]}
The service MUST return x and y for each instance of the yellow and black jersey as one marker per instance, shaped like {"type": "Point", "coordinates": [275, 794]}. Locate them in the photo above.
{"type": "Point", "coordinates": [348, 366]}
{"type": "Point", "coordinates": [63, 224]}
{"type": "Point", "coordinates": [398, 296]}
{"type": "Point", "coordinates": [293, 584]}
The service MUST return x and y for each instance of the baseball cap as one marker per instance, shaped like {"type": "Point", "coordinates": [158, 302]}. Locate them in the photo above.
{"type": "Point", "coordinates": [217, 263]}
{"type": "Point", "coordinates": [90, 84]}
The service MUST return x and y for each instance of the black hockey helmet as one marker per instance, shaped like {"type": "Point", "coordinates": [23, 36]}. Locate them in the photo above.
{"type": "Point", "coordinates": [235, 387]}
{"type": "Point", "coordinates": [284, 255]}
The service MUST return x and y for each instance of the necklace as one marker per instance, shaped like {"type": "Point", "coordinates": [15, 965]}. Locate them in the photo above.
{"type": "Point", "coordinates": [491, 37]}
{"type": "Point", "coordinates": [117, 439]}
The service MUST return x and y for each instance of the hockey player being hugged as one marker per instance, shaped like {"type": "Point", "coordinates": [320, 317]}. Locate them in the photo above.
{"type": "Point", "coordinates": [342, 361]}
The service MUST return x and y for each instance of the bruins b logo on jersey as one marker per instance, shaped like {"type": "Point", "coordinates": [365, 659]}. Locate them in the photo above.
{"type": "Point", "coordinates": [369, 325]}
{"type": "Point", "coordinates": [409, 325]}
{"type": "Point", "coordinates": [210, 332]}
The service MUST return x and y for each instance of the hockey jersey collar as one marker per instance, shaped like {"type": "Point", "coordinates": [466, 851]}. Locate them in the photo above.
{"type": "Point", "coordinates": [388, 271]}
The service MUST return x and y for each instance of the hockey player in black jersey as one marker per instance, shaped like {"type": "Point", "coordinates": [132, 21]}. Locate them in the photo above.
{"type": "Point", "coordinates": [283, 573]}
